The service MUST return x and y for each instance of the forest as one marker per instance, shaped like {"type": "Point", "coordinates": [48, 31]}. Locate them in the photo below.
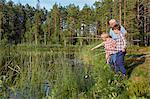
{"type": "Point", "coordinates": [29, 25]}
{"type": "Point", "coordinates": [45, 53]}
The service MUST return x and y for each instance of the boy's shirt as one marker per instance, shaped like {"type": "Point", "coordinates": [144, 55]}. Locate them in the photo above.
{"type": "Point", "coordinates": [120, 42]}
{"type": "Point", "coordinates": [110, 46]}
{"type": "Point", "coordinates": [114, 35]}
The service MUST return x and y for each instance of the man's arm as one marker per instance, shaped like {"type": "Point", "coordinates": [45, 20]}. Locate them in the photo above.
{"type": "Point", "coordinates": [98, 46]}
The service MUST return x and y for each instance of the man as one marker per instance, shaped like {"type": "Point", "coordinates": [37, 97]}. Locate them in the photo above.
{"type": "Point", "coordinates": [112, 23]}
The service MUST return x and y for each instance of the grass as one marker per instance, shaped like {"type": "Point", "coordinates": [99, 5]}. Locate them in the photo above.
{"type": "Point", "coordinates": [139, 80]}
{"type": "Point", "coordinates": [71, 72]}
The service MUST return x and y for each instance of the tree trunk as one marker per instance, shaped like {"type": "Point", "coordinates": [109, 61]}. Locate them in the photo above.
{"type": "Point", "coordinates": [120, 11]}
{"type": "Point", "coordinates": [97, 27]}
{"type": "Point", "coordinates": [125, 2]}
{"type": "Point", "coordinates": [36, 42]}
{"type": "Point", "coordinates": [145, 27]}
{"type": "Point", "coordinates": [138, 10]}
{"type": "Point", "coordinates": [45, 38]}
{"type": "Point", "coordinates": [106, 23]}
{"type": "Point", "coordinates": [1, 22]}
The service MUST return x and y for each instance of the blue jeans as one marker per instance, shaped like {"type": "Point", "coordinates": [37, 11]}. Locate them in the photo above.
{"type": "Point", "coordinates": [112, 61]}
{"type": "Point", "coordinates": [120, 62]}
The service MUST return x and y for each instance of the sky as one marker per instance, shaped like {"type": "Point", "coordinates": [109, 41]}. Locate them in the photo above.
{"type": "Point", "coordinates": [49, 3]}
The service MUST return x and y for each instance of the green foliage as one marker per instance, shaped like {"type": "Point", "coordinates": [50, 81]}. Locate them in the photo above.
{"type": "Point", "coordinates": [106, 83]}
{"type": "Point", "coordinates": [66, 84]}
{"type": "Point", "coordinates": [70, 71]}
{"type": "Point", "coordinates": [138, 87]}
{"type": "Point", "coordinates": [57, 26]}
{"type": "Point", "coordinates": [132, 21]}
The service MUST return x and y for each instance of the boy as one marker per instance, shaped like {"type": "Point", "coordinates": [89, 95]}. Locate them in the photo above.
{"type": "Point", "coordinates": [121, 50]}
{"type": "Point", "coordinates": [109, 45]}
{"type": "Point", "coordinates": [112, 23]}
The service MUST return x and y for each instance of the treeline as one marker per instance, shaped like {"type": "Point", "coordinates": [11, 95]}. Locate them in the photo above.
{"type": "Point", "coordinates": [26, 24]}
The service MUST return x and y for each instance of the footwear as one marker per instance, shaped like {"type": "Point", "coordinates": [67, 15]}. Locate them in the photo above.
{"type": "Point", "coordinates": [124, 75]}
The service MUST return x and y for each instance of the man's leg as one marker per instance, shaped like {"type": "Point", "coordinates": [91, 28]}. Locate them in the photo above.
{"type": "Point", "coordinates": [116, 63]}
{"type": "Point", "coordinates": [120, 62]}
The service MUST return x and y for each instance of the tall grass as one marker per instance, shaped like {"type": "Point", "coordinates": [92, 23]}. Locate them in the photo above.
{"type": "Point", "coordinates": [30, 73]}
{"type": "Point", "coordinates": [106, 84]}
{"type": "Point", "coordinates": [59, 73]}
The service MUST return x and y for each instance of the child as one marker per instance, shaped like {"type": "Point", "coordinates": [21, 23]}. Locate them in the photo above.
{"type": "Point", "coordinates": [121, 50]}
{"type": "Point", "coordinates": [109, 45]}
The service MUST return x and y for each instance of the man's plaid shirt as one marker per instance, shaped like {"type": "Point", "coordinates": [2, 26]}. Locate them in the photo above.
{"type": "Point", "coordinates": [120, 42]}
{"type": "Point", "coordinates": [110, 46]}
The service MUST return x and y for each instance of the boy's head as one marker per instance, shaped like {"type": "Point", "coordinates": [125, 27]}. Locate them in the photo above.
{"type": "Point", "coordinates": [104, 36]}
{"type": "Point", "coordinates": [116, 27]}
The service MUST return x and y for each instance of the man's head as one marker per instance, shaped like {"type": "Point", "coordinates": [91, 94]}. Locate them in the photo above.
{"type": "Point", "coordinates": [104, 36]}
{"type": "Point", "coordinates": [112, 23]}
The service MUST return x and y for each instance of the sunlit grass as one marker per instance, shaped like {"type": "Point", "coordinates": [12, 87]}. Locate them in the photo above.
{"type": "Point", "coordinates": [73, 72]}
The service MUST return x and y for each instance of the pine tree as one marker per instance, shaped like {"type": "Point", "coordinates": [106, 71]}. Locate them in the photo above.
{"type": "Point", "coordinates": [63, 24]}
{"type": "Point", "coordinates": [115, 9]}
{"type": "Point", "coordinates": [72, 22]}
{"type": "Point", "coordinates": [98, 16]}
{"type": "Point", "coordinates": [131, 20]}
{"type": "Point", "coordinates": [103, 13]}
{"type": "Point", "coordinates": [86, 19]}
{"type": "Point", "coordinates": [37, 26]}
{"type": "Point", "coordinates": [48, 26]}
{"type": "Point", "coordinates": [1, 20]}
{"type": "Point", "coordinates": [143, 17]}
{"type": "Point", "coordinates": [29, 20]}
{"type": "Point", "coordinates": [27, 24]}
{"type": "Point", "coordinates": [11, 22]}
{"type": "Point", "coordinates": [55, 24]}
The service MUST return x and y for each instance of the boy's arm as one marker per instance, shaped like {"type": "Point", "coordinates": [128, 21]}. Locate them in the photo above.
{"type": "Point", "coordinates": [111, 32]}
{"type": "Point", "coordinates": [114, 44]}
{"type": "Point", "coordinates": [124, 43]}
{"type": "Point", "coordinates": [107, 57]}
{"type": "Point", "coordinates": [98, 46]}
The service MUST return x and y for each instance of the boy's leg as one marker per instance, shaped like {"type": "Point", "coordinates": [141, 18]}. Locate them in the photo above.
{"type": "Point", "coordinates": [112, 61]}
{"type": "Point", "coordinates": [120, 62]}
{"type": "Point", "coordinates": [115, 67]}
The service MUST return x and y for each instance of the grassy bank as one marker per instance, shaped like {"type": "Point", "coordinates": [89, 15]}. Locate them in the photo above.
{"type": "Point", "coordinates": [71, 72]}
